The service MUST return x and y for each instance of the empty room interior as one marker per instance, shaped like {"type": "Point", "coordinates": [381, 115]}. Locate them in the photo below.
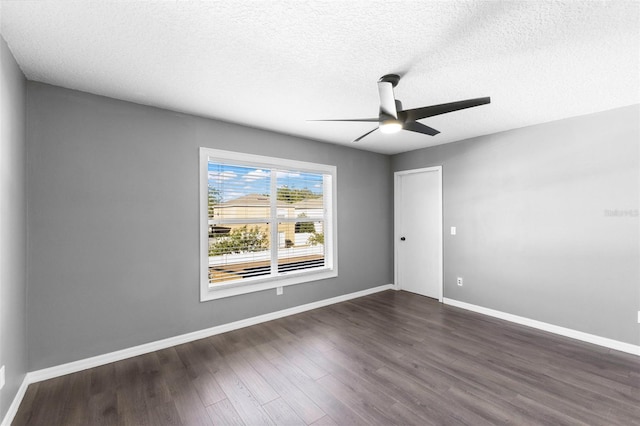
{"type": "Point", "coordinates": [320, 213]}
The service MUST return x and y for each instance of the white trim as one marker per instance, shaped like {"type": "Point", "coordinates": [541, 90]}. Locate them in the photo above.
{"type": "Point", "coordinates": [562, 331]}
{"type": "Point", "coordinates": [274, 240]}
{"type": "Point", "coordinates": [396, 222]}
{"type": "Point", "coordinates": [15, 404]}
{"type": "Point", "coordinates": [265, 161]}
{"type": "Point", "coordinates": [276, 279]}
{"type": "Point", "coordinates": [83, 364]}
{"type": "Point", "coordinates": [204, 221]}
{"type": "Point", "coordinates": [268, 283]}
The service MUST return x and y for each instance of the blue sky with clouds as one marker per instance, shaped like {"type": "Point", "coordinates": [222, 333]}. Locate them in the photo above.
{"type": "Point", "coordinates": [237, 181]}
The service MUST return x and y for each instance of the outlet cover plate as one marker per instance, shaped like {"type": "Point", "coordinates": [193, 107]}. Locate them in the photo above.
{"type": "Point", "coordinates": [459, 281]}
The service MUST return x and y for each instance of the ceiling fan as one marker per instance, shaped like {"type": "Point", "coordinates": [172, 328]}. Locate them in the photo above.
{"type": "Point", "coordinates": [392, 118]}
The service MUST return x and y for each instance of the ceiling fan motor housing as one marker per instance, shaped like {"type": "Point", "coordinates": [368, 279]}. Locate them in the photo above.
{"type": "Point", "coordinates": [391, 78]}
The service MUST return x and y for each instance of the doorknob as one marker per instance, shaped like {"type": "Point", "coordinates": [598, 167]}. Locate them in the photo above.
{"type": "Point", "coordinates": [402, 238]}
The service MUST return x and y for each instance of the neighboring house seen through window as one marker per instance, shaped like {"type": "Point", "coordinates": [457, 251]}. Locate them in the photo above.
{"type": "Point", "coordinates": [265, 222]}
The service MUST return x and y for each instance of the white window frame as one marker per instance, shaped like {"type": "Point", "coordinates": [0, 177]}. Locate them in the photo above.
{"type": "Point", "coordinates": [234, 288]}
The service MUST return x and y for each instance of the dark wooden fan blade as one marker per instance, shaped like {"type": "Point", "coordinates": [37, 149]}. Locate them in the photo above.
{"type": "Point", "coordinates": [420, 128]}
{"type": "Point", "coordinates": [372, 120]}
{"type": "Point", "coordinates": [430, 111]}
{"type": "Point", "coordinates": [366, 134]}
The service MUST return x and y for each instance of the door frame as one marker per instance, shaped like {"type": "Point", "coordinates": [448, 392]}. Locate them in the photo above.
{"type": "Point", "coordinates": [396, 222]}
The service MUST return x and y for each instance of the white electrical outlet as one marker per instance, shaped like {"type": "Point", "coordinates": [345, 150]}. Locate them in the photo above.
{"type": "Point", "coordinates": [279, 291]}
{"type": "Point", "coordinates": [459, 281]}
{"type": "Point", "coordinates": [638, 317]}
{"type": "Point", "coordinates": [453, 230]}
{"type": "Point", "coordinates": [1, 377]}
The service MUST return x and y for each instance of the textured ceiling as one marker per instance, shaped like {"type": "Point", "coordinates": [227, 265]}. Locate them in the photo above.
{"type": "Point", "coordinates": [275, 64]}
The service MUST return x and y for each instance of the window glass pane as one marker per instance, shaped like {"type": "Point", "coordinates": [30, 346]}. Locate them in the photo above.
{"type": "Point", "coordinates": [300, 246]}
{"type": "Point", "coordinates": [302, 190]}
{"type": "Point", "coordinates": [237, 192]}
{"type": "Point", "coordinates": [239, 251]}
{"type": "Point", "coordinates": [265, 219]}
{"type": "Point", "coordinates": [300, 243]}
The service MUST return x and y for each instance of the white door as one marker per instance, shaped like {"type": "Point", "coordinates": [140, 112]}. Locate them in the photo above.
{"type": "Point", "coordinates": [418, 231]}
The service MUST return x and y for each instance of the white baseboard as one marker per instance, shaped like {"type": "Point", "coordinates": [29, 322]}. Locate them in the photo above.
{"type": "Point", "coordinates": [96, 361]}
{"type": "Point", "coordinates": [83, 364]}
{"type": "Point", "coordinates": [567, 332]}
{"type": "Point", "coordinates": [15, 404]}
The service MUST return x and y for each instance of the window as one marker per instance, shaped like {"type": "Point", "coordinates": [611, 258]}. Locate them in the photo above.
{"type": "Point", "coordinates": [264, 223]}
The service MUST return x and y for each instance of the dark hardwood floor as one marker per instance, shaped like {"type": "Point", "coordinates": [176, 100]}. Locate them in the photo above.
{"type": "Point", "coordinates": [388, 358]}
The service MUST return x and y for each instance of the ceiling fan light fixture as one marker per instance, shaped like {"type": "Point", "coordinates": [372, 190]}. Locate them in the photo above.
{"type": "Point", "coordinates": [392, 118]}
{"type": "Point", "coordinates": [390, 126]}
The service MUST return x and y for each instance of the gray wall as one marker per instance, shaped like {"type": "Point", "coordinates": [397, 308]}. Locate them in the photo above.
{"type": "Point", "coordinates": [105, 176]}
{"type": "Point", "coordinates": [533, 235]}
{"type": "Point", "coordinates": [113, 223]}
{"type": "Point", "coordinates": [13, 232]}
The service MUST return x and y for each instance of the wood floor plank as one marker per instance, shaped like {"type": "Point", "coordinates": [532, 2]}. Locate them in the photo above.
{"type": "Point", "coordinates": [49, 402]}
{"type": "Point", "coordinates": [188, 403]}
{"type": "Point", "coordinates": [45, 404]}
{"type": "Point", "coordinates": [355, 400]}
{"type": "Point", "coordinates": [170, 363]}
{"type": "Point", "coordinates": [491, 410]}
{"type": "Point", "coordinates": [243, 401]}
{"type": "Point", "coordinates": [223, 413]}
{"type": "Point", "coordinates": [130, 391]}
{"type": "Point", "coordinates": [258, 386]}
{"type": "Point", "coordinates": [292, 351]}
{"type": "Point", "coordinates": [325, 421]}
{"type": "Point", "coordinates": [27, 409]}
{"type": "Point", "coordinates": [165, 414]}
{"type": "Point", "coordinates": [304, 407]}
{"type": "Point", "coordinates": [208, 354]}
{"type": "Point", "coordinates": [281, 413]}
{"type": "Point", "coordinates": [103, 408]}
{"type": "Point", "coordinates": [193, 360]}
{"type": "Point", "coordinates": [229, 343]}
{"type": "Point", "coordinates": [424, 398]}
{"type": "Point", "coordinates": [586, 404]}
{"type": "Point", "coordinates": [404, 415]}
{"type": "Point", "coordinates": [154, 386]}
{"type": "Point", "coordinates": [181, 383]}
{"type": "Point", "coordinates": [358, 371]}
{"type": "Point", "coordinates": [334, 407]}
{"type": "Point", "coordinates": [75, 406]}
{"type": "Point", "coordinates": [388, 358]}
{"type": "Point", "coordinates": [208, 389]}
{"type": "Point", "coordinates": [103, 378]}
{"type": "Point", "coordinates": [267, 351]}
{"type": "Point", "coordinates": [359, 381]}
{"type": "Point", "coordinates": [134, 416]}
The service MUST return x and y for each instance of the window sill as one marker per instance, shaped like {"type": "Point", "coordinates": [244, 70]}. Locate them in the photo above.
{"type": "Point", "coordinates": [265, 284]}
